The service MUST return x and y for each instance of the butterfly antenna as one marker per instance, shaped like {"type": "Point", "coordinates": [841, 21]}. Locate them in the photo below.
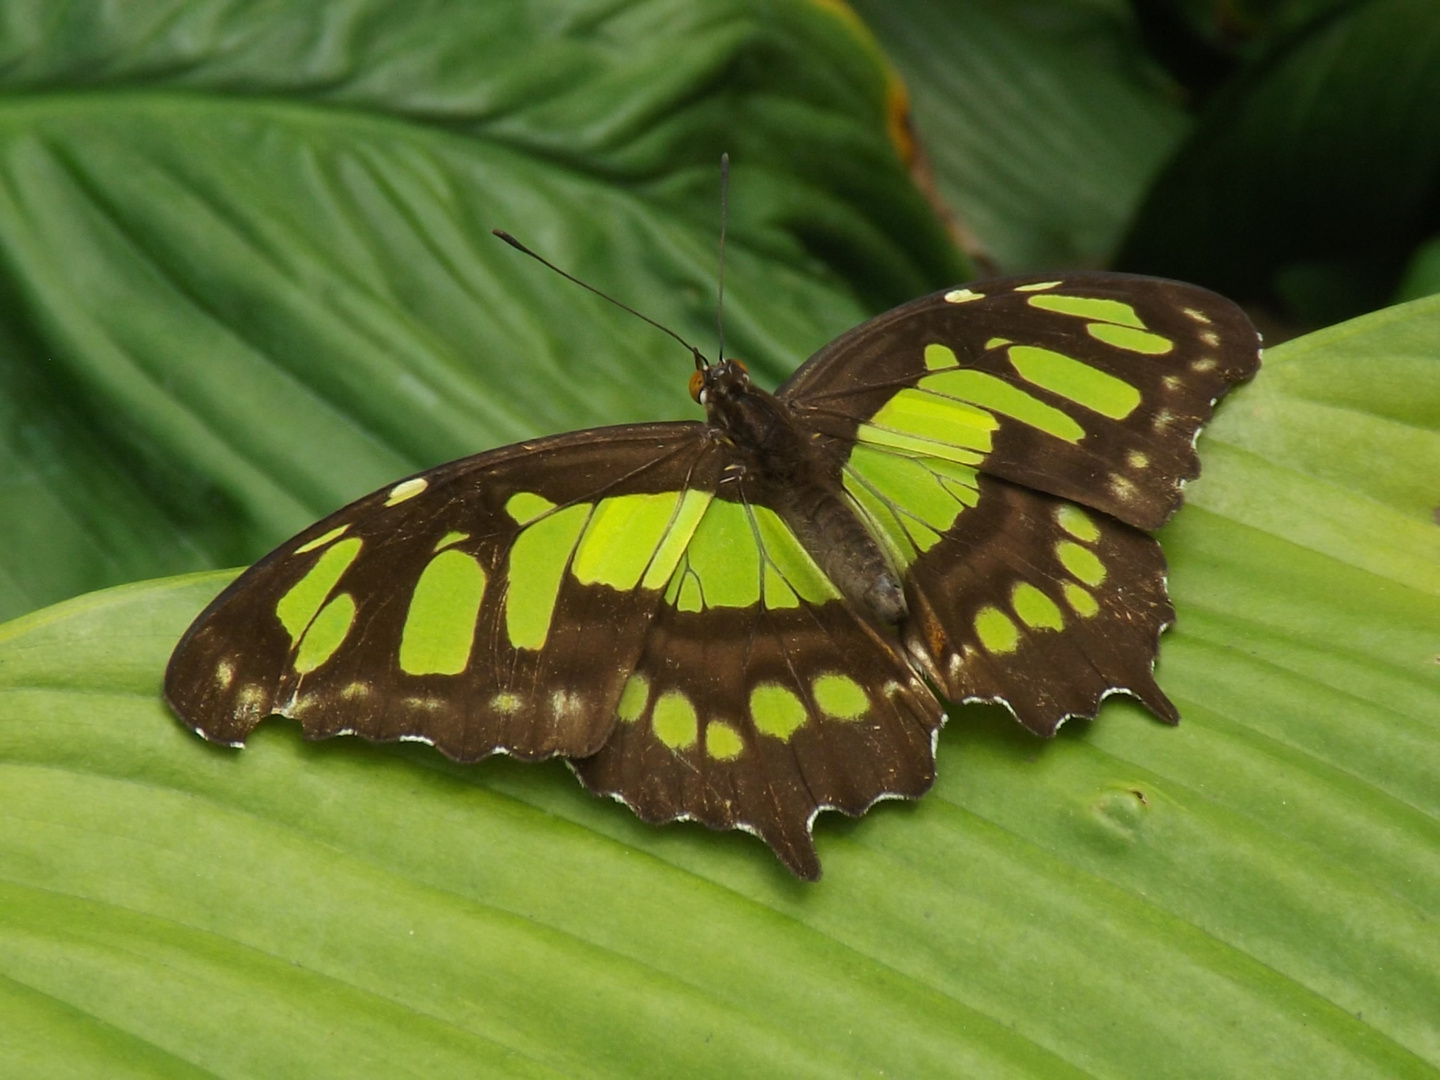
{"type": "Point", "coordinates": [700, 361]}
{"type": "Point", "coordinates": [724, 214]}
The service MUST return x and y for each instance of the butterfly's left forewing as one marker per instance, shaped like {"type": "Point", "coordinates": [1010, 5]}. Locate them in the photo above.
{"type": "Point", "coordinates": [497, 603]}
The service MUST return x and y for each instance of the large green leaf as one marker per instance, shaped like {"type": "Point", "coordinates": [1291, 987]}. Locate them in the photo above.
{"type": "Point", "coordinates": [246, 266]}
{"type": "Point", "coordinates": [1250, 894]}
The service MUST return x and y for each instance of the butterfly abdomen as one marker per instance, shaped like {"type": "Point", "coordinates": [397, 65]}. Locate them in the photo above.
{"type": "Point", "coordinates": [823, 522]}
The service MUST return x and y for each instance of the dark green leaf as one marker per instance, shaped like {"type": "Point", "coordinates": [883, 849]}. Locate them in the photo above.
{"type": "Point", "coordinates": [1311, 179]}
{"type": "Point", "coordinates": [1043, 120]}
{"type": "Point", "coordinates": [247, 269]}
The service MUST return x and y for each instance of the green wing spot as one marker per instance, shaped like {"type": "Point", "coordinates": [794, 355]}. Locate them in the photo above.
{"type": "Point", "coordinates": [1036, 610]}
{"type": "Point", "coordinates": [407, 489]}
{"type": "Point", "coordinates": [785, 556]}
{"type": "Point", "coordinates": [1075, 380]}
{"type": "Point", "coordinates": [440, 625]}
{"type": "Point", "coordinates": [1089, 307]}
{"type": "Point", "coordinates": [1077, 523]}
{"type": "Point", "coordinates": [931, 424]}
{"type": "Point", "coordinates": [724, 555]}
{"type": "Point", "coordinates": [633, 699]}
{"type": "Point", "coordinates": [677, 539]}
{"type": "Point", "coordinates": [1080, 600]}
{"type": "Point", "coordinates": [526, 506]}
{"type": "Point", "coordinates": [298, 606]}
{"type": "Point", "coordinates": [997, 343]}
{"type": "Point", "coordinates": [723, 742]}
{"type": "Point", "coordinates": [965, 488]}
{"type": "Point", "coordinates": [909, 486]}
{"type": "Point", "coordinates": [882, 519]}
{"type": "Point", "coordinates": [985, 390]}
{"type": "Point", "coordinates": [1083, 563]}
{"type": "Point", "coordinates": [1131, 340]}
{"type": "Point", "coordinates": [321, 541]}
{"type": "Point", "coordinates": [451, 538]}
{"type": "Point", "coordinates": [674, 721]}
{"type": "Point", "coordinates": [622, 537]}
{"type": "Point", "coordinates": [955, 477]}
{"type": "Point", "coordinates": [691, 598]}
{"type": "Point", "coordinates": [996, 631]}
{"type": "Point", "coordinates": [915, 495]}
{"type": "Point", "coordinates": [775, 710]}
{"type": "Point", "coordinates": [537, 563]}
{"type": "Point", "coordinates": [326, 633]}
{"type": "Point", "coordinates": [775, 592]}
{"type": "Point", "coordinates": [939, 357]}
{"type": "Point", "coordinates": [900, 441]}
{"type": "Point", "coordinates": [840, 697]}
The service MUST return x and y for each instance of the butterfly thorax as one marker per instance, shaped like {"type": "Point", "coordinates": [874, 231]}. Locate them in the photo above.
{"type": "Point", "coordinates": [787, 466]}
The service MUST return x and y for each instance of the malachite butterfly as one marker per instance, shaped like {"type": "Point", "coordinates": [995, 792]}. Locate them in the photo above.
{"type": "Point", "coordinates": [747, 620]}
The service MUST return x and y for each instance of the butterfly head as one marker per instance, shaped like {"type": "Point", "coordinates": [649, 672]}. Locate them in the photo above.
{"type": "Point", "coordinates": [713, 384]}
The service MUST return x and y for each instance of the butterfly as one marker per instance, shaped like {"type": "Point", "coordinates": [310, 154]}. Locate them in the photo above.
{"type": "Point", "coordinates": [749, 619]}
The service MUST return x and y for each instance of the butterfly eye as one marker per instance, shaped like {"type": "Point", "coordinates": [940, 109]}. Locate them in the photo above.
{"type": "Point", "coordinates": [697, 383]}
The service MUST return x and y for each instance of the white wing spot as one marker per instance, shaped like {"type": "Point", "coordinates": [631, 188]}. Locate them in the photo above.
{"type": "Point", "coordinates": [1172, 382]}
{"type": "Point", "coordinates": [407, 489]}
{"type": "Point", "coordinates": [249, 701]}
{"type": "Point", "coordinates": [1163, 419]}
{"type": "Point", "coordinates": [1209, 337]}
{"type": "Point", "coordinates": [565, 703]}
{"type": "Point", "coordinates": [1198, 316]}
{"type": "Point", "coordinates": [425, 704]}
{"type": "Point", "coordinates": [1136, 460]}
{"type": "Point", "coordinates": [1205, 363]}
{"type": "Point", "coordinates": [506, 703]}
{"type": "Point", "coordinates": [1121, 487]}
{"type": "Point", "coordinates": [1039, 286]}
{"type": "Point", "coordinates": [963, 296]}
{"type": "Point", "coordinates": [956, 665]}
{"type": "Point", "coordinates": [355, 691]}
{"type": "Point", "coordinates": [224, 674]}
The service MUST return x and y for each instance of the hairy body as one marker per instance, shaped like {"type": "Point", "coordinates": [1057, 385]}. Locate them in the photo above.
{"type": "Point", "coordinates": [802, 486]}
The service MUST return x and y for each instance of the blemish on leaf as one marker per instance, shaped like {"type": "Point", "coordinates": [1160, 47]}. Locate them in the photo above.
{"type": "Point", "coordinates": [1121, 812]}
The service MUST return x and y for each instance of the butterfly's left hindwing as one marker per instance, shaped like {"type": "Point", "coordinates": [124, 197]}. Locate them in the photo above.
{"type": "Point", "coordinates": [761, 713]}
{"type": "Point", "coordinates": [496, 603]}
